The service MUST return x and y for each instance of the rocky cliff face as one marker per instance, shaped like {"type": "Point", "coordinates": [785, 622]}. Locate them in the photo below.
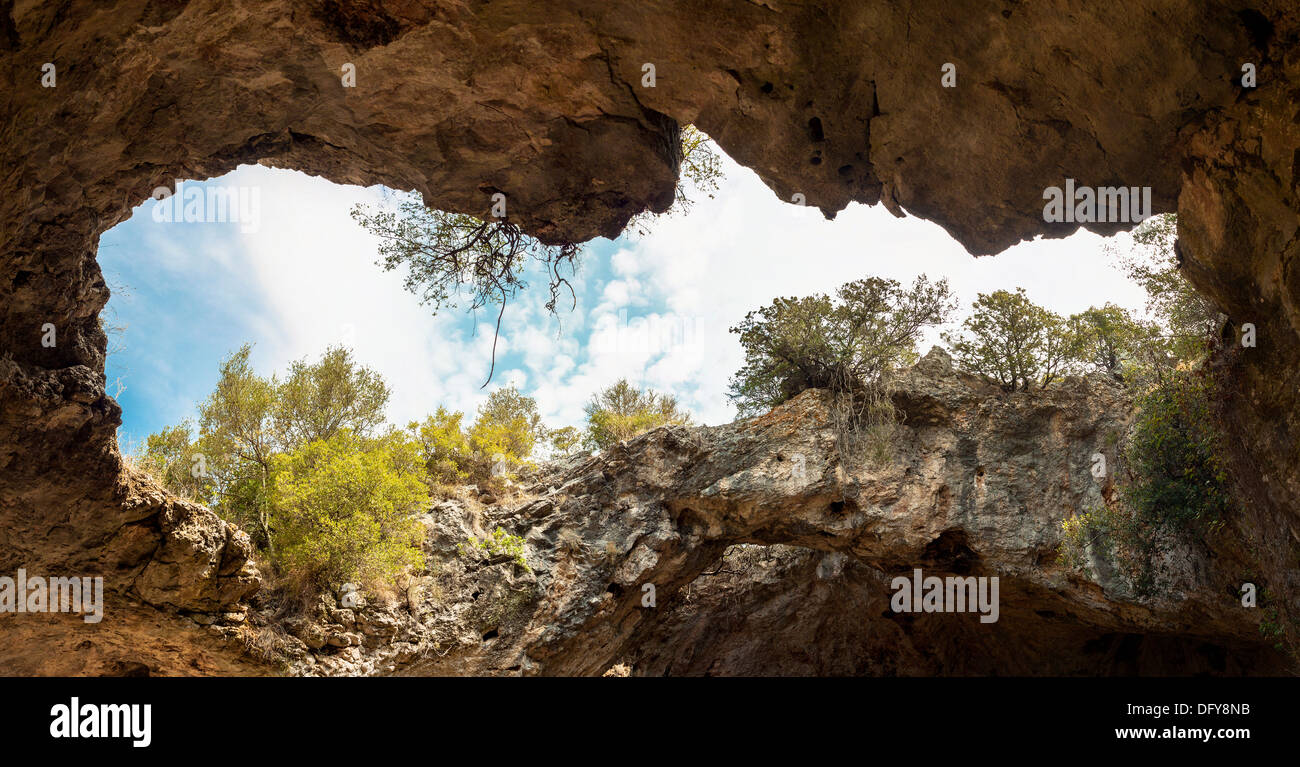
{"type": "Point", "coordinates": [546, 102]}
{"type": "Point", "coordinates": [770, 553]}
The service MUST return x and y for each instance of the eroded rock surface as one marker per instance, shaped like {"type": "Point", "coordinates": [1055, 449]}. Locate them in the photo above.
{"type": "Point", "coordinates": [770, 553]}
{"type": "Point", "coordinates": [838, 100]}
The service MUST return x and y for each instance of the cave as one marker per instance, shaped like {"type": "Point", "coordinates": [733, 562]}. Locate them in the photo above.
{"type": "Point", "coordinates": [545, 102]}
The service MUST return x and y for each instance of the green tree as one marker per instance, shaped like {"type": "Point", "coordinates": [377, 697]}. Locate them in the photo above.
{"type": "Point", "coordinates": [319, 399]}
{"type": "Point", "coordinates": [621, 411]}
{"type": "Point", "coordinates": [249, 418]}
{"type": "Point", "coordinates": [507, 425]}
{"type": "Point", "coordinates": [444, 446]}
{"type": "Point", "coordinates": [1110, 340]}
{"type": "Point", "coordinates": [841, 344]}
{"type": "Point", "coordinates": [1188, 319]}
{"type": "Point", "coordinates": [345, 509]}
{"type": "Point", "coordinates": [177, 462]}
{"type": "Point", "coordinates": [564, 440]}
{"type": "Point", "coordinates": [239, 438]}
{"type": "Point", "coordinates": [1014, 342]}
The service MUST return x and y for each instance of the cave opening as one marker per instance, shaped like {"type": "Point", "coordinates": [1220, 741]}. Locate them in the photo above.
{"type": "Point", "coordinates": [294, 275]}
{"type": "Point", "coordinates": [272, 258]}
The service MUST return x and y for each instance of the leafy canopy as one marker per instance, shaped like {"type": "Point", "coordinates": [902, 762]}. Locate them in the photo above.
{"type": "Point", "coordinates": [621, 411]}
{"type": "Point", "coordinates": [443, 446]}
{"type": "Point", "coordinates": [508, 425]}
{"type": "Point", "coordinates": [870, 327]}
{"type": "Point", "coordinates": [317, 400]}
{"type": "Point", "coordinates": [1111, 340]}
{"type": "Point", "coordinates": [1013, 342]}
{"type": "Point", "coordinates": [1189, 321]}
{"type": "Point", "coordinates": [344, 508]}
{"type": "Point", "coordinates": [249, 419]}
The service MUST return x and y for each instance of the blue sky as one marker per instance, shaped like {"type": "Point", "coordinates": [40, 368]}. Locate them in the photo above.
{"type": "Point", "coordinates": [301, 275]}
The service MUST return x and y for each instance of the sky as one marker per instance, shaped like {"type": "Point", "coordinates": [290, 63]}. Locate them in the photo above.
{"type": "Point", "coordinates": [294, 274]}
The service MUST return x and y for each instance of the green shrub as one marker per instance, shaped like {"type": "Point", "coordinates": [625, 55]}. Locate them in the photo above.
{"type": "Point", "coordinates": [508, 426]}
{"type": "Point", "coordinates": [497, 544]}
{"type": "Point", "coordinates": [564, 441]}
{"type": "Point", "coordinates": [177, 462]}
{"type": "Point", "coordinates": [621, 411]}
{"type": "Point", "coordinates": [1175, 454]}
{"type": "Point", "coordinates": [344, 509]}
{"type": "Point", "coordinates": [1177, 485]}
{"type": "Point", "coordinates": [444, 447]}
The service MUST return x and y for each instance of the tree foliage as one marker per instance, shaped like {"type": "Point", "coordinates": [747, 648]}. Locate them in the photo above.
{"type": "Point", "coordinates": [177, 461]}
{"type": "Point", "coordinates": [252, 428]}
{"type": "Point", "coordinates": [508, 425]}
{"type": "Point", "coordinates": [1175, 452]}
{"type": "Point", "coordinates": [1176, 486]}
{"type": "Point", "coordinates": [1189, 321]}
{"type": "Point", "coordinates": [842, 343]}
{"type": "Point", "coordinates": [1110, 340]}
{"type": "Point", "coordinates": [238, 438]}
{"type": "Point", "coordinates": [621, 411]}
{"type": "Point", "coordinates": [319, 399]}
{"type": "Point", "coordinates": [1013, 342]}
{"type": "Point", "coordinates": [344, 508]}
{"type": "Point", "coordinates": [455, 257]}
{"type": "Point", "coordinates": [443, 446]}
{"type": "Point", "coordinates": [565, 440]}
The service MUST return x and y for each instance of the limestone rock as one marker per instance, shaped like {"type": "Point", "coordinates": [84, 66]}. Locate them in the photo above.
{"type": "Point", "coordinates": [836, 100]}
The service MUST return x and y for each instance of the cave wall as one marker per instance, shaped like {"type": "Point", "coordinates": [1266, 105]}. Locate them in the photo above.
{"type": "Point", "coordinates": [837, 101]}
{"type": "Point", "coordinates": [784, 611]}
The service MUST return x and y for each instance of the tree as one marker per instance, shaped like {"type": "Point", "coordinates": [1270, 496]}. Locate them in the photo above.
{"type": "Point", "coordinates": [239, 438]}
{"type": "Point", "coordinates": [178, 463]}
{"type": "Point", "coordinates": [621, 411]}
{"type": "Point", "coordinates": [344, 509]}
{"type": "Point", "coordinates": [249, 418]}
{"type": "Point", "coordinates": [318, 400]}
{"type": "Point", "coordinates": [443, 445]}
{"type": "Point", "coordinates": [454, 257]}
{"type": "Point", "coordinates": [840, 344]}
{"type": "Point", "coordinates": [1189, 321]}
{"type": "Point", "coordinates": [564, 440]}
{"type": "Point", "coordinates": [1013, 342]}
{"type": "Point", "coordinates": [507, 425]}
{"type": "Point", "coordinates": [1110, 340]}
